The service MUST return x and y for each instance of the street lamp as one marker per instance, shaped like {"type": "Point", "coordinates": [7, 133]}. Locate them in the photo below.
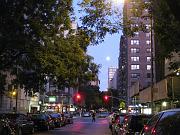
{"type": "Point", "coordinates": [15, 94]}
{"type": "Point", "coordinates": [164, 104]}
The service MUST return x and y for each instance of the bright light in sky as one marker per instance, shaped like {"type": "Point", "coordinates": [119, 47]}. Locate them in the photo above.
{"type": "Point", "coordinates": [108, 58]}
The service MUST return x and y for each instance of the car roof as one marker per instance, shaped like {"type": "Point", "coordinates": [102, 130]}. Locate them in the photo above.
{"type": "Point", "coordinates": [172, 110]}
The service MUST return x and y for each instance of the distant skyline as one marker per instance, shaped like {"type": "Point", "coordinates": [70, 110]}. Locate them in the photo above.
{"type": "Point", "coordinates": [106, 54]}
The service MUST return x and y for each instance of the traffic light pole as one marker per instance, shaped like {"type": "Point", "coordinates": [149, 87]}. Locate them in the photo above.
{"type": "Point", "coordinates": [119, 99]}
{"type": "Point", "coordinates": [115, 98]}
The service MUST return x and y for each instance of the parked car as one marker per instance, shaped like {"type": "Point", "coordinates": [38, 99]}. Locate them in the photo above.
{"type": "Point", "coordinates": [86, 114]}
{"type": "Point", "coordinates": [133, 123]}
{"type": "Point", "coordinates": [103, 114]}
{"type": "Point", "coordinates": [117, 124]}
{"type": "Point", "coordinates": [164, 123]}
{"type": "Point", "coordinates": [57, 118]}
{"type": "Point", "coordinates": [20, 123]}
{"type": "Point", "coordinates": [112, 117]}
{"type": "Point", "coordinates": [42, 121]}
{"type": "Point", "coordinates": [5, 128]}
{"type": "Point", "coordinates": [68, 117]}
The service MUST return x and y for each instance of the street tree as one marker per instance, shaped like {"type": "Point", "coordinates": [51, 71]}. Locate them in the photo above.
{"type": "Point", "coordinates": [37, 40]}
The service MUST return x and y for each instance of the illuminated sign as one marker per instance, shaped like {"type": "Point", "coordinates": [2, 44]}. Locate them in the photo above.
{"type": "Point", "coordinates": [52, 99]}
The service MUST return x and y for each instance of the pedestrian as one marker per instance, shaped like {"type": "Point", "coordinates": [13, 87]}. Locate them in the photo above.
{"type": "Point", "coordinates": [93, 117]}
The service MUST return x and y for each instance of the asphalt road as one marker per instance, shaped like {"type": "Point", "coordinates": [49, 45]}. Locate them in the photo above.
{"type": "Point", "coordinates": [81, 126]}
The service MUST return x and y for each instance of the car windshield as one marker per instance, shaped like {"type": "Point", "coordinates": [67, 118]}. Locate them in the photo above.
{"type": "Point", "coordinates": [54, 115]}
{"type": "Point", "coordinates": [121, 119]}
{"type": "Point", "coordinates": [104, 113]}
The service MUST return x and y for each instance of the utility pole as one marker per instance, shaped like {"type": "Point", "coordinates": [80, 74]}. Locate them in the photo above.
{"type": "Point", "coordinates": [16, 109]}
{"type": "Point", "coordinates": [152, 63]}
{"type": "Point", "coordinates": [16, 100]}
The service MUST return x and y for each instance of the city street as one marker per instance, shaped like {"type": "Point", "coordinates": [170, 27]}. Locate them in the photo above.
{"type": "Point", "coordinates": [81, 126]}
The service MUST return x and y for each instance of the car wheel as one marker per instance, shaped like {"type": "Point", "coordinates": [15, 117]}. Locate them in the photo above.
{"type": "Point", "coordinates": [19, 132]}
{"type": "Point", "coordinates": [47, 127]}
{"type": "Point", "coordinates": [32, 131]}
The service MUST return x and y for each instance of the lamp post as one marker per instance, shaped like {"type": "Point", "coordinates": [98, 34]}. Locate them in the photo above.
{"type": "Point", "coordinates": [152, 60]}
{"type": "Point", "coordinates": [14, 93]}
{"type": "Point", "coordinates": [172, 100]}
{"type": "Point", "coordinates": [16, 100]}
{"type": "Point", "coordinates": [119, 99]}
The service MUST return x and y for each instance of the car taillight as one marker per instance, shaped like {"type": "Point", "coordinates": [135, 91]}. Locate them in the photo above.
{"type": "Point", "coordinates": [146, 127]}
{"type": "Point", "coordinates": [153, 131]}
{"type": "Point", "coordinates": [125, 119]}
{"type": "Point", "coordinates": [117, 121]}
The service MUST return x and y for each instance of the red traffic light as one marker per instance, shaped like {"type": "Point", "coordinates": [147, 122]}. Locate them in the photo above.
{"type": "Point", "coordinates": [106, 97]}
{"type": "Point", "coordinates": [78, 96]}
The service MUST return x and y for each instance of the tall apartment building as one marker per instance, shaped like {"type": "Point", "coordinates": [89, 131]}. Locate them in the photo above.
{"type": "Point", "coordinates": [135, 54]}
{"type": "Point", "coordinates": [112, 77]}
{"type": "Point", "coordinates": [123, 68]}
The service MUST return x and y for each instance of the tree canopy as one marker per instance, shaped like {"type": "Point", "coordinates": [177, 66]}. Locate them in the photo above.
{"type": "Point", "coordinates": [37, 38]}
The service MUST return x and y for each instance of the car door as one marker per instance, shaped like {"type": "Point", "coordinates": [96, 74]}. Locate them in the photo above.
{"type": "Point", "coordinates": [169, 124]}
{"type": "Point", "coordinates": [150, 126]}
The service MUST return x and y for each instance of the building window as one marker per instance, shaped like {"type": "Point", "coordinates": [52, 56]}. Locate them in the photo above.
{"type": "Point", "coordinates": [134, 25]}
{"type": "Point", "coordinates": [134, 67]}
{"type": "Point", "coordinates": [148, 75]}
{"type": "Point", "coordinates": [133, 2]}
{"type": "Point", "coordinates": [136, 34]}
{"type": "Point", "coordinates": [148, 67]}
{"type": "Point", "coordinates": [148, 50]}
{"type": "Point", "coordinates": [148, 34]}
{"type": "Point", "coordinates": [148, 42]}
{"type": "Point", "coordinates": [134, 50]}
{"type": "Point", "coordinates": [146, 10]}
{"type": "Point", "coordinates": [134, 42]}
{"type": "Point", "coordinates": [134, 58]}
{"type": "Point", "coordinates": [135, 75]}
{"type": "Point", "coordinates": [133, 18]}
{"type": "Point", "coordinates": [148, 26]}
{"type": "Point", "coordinates": [148, 59]}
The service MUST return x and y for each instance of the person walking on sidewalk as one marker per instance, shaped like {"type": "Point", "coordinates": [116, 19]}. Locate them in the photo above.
{"type": "Point", "coordinates": [93, 117]}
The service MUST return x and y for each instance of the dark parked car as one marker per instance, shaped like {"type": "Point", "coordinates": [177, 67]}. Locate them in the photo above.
{"type": "Point", "coordinates": [112, 118]}
{"type": "Point", "coordinates": [68, 117]}
{"type": "Point", "coordinates": [134, 123]}
{"type": "Point", "coordinates": [20, 123]}
{"type": "Point", "coordinates": [103, 114]}
{"type": "Point", "coordinates": [42, 121]}
{"type": "Point", "coordinates": [117, 124]}
{"type": "Point", "coordinates": [164, 123]}
{"type": "Point", "coordinates": [86, 114]}
{"type": "Point", "coordinates": [57, 118]}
